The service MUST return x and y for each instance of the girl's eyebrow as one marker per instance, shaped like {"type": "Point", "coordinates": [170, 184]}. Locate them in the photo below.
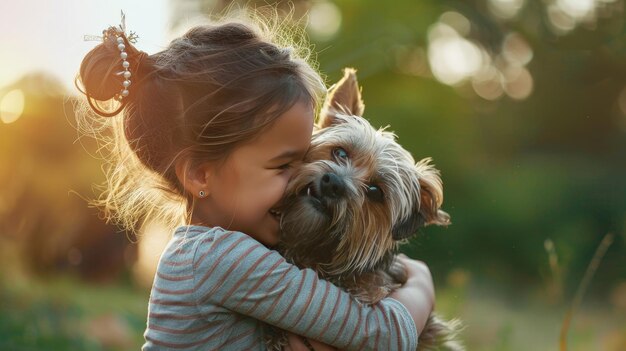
{"type": "Point", "coordinates": [287, 154]}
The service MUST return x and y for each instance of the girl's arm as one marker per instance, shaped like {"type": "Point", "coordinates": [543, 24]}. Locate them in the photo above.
{"type": "Point", "coordinates": [240, 274]}
{"type": "Point", "coordinates": [418, 293]}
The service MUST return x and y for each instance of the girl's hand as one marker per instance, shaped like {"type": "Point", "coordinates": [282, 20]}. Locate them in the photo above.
{"type": "Point", "coordinates": [297, 344]}
{"type": "Point", "coordinates": [418, 293]}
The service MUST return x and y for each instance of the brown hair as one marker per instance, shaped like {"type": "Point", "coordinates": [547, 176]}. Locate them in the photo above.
{"type": "Point", "coordinates": [212, 89]}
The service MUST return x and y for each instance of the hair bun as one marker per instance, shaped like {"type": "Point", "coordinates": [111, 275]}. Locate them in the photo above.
{"type": "Point", "coordinates": [100, 70]}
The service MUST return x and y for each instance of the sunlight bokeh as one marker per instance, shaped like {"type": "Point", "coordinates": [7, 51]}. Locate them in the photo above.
{"type": "Point", "coordinates": [455, 59]}
{"type": "Point", "coordinates": [505, 9]}
{"type": "Point", "coordinates": [565, 15]}
{"type": "Point", "coordinates": [48, 35]}
{"type": "Point", "coordinates": [11, 106]}
{"type": "Point", "coordinates": [324, 20]}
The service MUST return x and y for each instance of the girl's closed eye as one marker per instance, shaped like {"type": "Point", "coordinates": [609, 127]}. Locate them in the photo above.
{"type": "Point", "coordinates": [287, 165]}
{"type": "Point", "coordinates": [280, 167]}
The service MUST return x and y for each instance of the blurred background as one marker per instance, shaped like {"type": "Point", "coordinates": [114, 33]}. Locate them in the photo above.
{"type": "Point", "coordinates": [521, 104]}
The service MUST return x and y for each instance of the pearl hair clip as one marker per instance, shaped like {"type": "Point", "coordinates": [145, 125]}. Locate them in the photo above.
{"type": "Point", "coordinates": [125, 64]}
{"type": "Point", "coordinates": [119, 32]}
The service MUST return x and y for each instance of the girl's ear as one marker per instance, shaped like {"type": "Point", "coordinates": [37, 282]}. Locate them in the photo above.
{"type": "Point", "coordinates": [344, 98]}
{"type": "Point", "coordinates": [194, 178]}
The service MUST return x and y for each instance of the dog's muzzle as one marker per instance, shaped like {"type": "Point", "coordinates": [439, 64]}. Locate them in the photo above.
{"type": "Point", "coordinates": [326, 189]}
{"type": "Point", "coordinates": [331, 186]}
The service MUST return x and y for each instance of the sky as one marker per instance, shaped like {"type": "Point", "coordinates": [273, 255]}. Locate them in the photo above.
{"type": "Point", "coordinates": [48, 35]}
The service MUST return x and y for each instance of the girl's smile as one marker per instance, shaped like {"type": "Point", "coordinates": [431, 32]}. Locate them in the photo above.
{"type": "Point", "coordinates": [244, 189]}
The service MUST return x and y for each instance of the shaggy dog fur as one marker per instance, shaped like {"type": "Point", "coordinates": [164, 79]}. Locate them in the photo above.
{"type": "Point", "coordinates": [356, 197]}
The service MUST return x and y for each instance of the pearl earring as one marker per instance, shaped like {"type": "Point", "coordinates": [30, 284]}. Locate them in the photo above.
{"type": "Point", "coordinates": [201, 193]}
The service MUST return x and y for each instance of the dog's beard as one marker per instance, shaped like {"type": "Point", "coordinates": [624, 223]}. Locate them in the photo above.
{"type": "Point", "coordinates": [307, 237]}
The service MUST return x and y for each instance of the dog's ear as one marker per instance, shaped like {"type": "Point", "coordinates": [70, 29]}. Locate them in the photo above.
{"type": "Point", "coordinates": [408, 227]}
{"type": "Point", "coordinates": [431, 198]}
{"type": "Point", "coordinates": [343, 98]}
{"type": "Point", "coordinates": [431, 194]}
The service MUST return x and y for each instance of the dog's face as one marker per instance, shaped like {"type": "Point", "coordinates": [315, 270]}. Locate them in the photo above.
{"type": "Point", "coordinates": [357, 194]}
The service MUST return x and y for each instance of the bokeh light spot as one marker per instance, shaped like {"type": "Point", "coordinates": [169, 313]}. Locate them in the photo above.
{"type": "Point", "coordinates": [457, 21]}
{"type": "Point", "coordinates": [516, 50]}
{"type": "Point", "coordinates": [12, 106]}
{"type": "Point", "coordinates": [561, 21]}
{"type": "Point", "coordinates": [452, 58]}
{"type": "Point", "coordinates": [577, 8]}
{"type": "Point", "coordinates": [518, 82]}
{"type": "Point", "coordinates": [324, 20]}
{"type": "Point", "coordinates": [488, 83]}
{"type": "Point", "coordinates": [505, 9]}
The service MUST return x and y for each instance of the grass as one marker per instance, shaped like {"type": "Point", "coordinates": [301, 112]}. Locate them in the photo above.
{"type": "Point", "coordinates": [66, 314]}
{"type": "Point", "coordinates": [496, 321]}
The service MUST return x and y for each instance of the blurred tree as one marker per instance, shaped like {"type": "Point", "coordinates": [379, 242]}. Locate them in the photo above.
{"type": "Point", "coordinates": [43, 175]}
{"type": "Point", "coordinates": [522, 106]}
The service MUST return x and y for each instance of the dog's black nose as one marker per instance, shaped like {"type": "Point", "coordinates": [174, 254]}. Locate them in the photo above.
{"type": "Point", "coordinates": [331, 186]}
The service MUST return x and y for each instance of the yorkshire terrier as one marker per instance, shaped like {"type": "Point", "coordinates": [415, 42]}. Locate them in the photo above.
{"type": "Point", "coordinates": [356, 197]}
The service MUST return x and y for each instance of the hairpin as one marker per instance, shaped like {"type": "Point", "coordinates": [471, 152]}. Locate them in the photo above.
{"type": "Point", "coordinates": [120, 33]}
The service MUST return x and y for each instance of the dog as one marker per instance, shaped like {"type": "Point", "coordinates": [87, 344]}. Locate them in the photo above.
{"type": "Point", "coordinates": [357, 196]}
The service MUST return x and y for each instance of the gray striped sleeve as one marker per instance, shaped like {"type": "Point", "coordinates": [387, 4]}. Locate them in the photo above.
{"type": "Point", "coordinates": [237, 272]}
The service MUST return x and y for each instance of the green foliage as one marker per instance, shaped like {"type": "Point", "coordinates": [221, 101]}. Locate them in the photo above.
{"type": "Point", "coordinates": [515, 172]}
{"type": "Point", "coordinates": [64, 314]}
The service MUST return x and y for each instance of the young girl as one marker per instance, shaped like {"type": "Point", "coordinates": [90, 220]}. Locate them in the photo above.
{"type": "Point", "coordinates": [209, 132]}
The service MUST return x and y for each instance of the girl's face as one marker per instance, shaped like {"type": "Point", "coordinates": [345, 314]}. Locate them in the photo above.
{"type": "Point", "coordinates": [244, 188]}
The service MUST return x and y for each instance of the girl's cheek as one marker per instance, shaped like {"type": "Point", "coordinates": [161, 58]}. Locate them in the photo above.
{"type": "Point", "coordinates": [286, 178]}
{"type": "Point", "coordinates": [288, 174]}
{"type": "Point", "coordinates": [281, 184]}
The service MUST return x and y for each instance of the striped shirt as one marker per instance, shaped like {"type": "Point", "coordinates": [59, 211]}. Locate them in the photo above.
{"type": "Point", "coordinates": [214, 289]}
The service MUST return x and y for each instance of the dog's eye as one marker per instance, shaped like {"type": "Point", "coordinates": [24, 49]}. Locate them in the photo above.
{"type": "Point", "coordinates": [375, 193]}
{"type": "Point", "coordinates": [340, 154]}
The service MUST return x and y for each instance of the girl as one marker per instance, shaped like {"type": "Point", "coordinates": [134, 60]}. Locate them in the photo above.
{"type": "Point", "coordinates": [210, 130]}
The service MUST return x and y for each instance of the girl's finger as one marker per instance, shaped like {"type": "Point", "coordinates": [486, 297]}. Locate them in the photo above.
{"type": "Point", "coordinates": [296, 343]}
{"type": "Point", "coordinates": [319, 346]}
